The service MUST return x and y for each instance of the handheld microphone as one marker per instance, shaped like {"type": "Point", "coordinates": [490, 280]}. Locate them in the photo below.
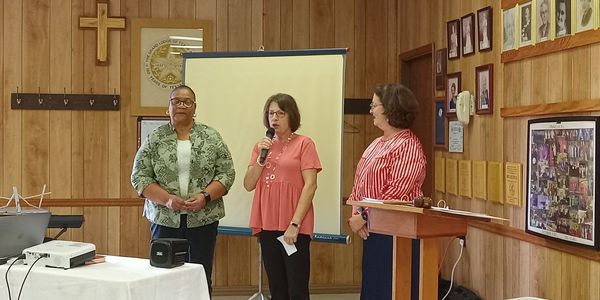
{"type": "Point", "coordinates": [263, 152]}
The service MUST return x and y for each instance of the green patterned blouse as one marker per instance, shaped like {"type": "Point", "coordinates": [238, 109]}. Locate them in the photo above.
{"type": "Point", "coordinates": [156, 161]}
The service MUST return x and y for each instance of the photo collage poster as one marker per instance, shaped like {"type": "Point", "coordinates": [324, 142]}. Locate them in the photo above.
{"type": "Point", "coordinates": [561, 180]}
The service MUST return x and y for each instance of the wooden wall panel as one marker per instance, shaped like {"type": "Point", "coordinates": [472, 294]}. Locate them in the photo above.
{"type": "Point", "coordinates": [300, 25]}
{"type": "Point", "coordinates": [12, 73]}
{"type": "Point", "coordinates": [271, 23]}
{"type": "Point", "coordinates": [2, 88]}
{"type": "Point", "coordinates": [90, 154]}
{"type": "Point", "coordinates": [36, 57]}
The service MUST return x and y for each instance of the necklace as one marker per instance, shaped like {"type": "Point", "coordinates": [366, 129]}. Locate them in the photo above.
{"type": "Point", "coordinates": [272, 162]}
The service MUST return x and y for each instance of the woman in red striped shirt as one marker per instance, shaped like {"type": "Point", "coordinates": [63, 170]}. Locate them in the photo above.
{"type": "Point", "coordinates": [391, 168]}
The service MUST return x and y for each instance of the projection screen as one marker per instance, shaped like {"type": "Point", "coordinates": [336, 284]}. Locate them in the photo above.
{"type": "Point", "coordinates": [231, 89]}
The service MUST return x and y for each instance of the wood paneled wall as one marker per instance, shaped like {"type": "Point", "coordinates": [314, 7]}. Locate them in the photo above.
{"type": "Point", "coordinates": [88, 155]}
{"type": "Point", "coordinates": [83, 155]}
{"type": "Point", "coordinates": [495, 266]}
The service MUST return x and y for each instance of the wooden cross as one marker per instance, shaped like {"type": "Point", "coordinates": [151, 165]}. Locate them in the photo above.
{"type": "Point", "coordinates": [102, 23]}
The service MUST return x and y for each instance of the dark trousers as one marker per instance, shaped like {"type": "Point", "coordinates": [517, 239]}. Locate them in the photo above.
{"type": "Point", "coordinates": [201, 240]}
{"type": "Point", "coordinates": [288, 275]}
{"type": "Point", "coordinates": [377, 267]}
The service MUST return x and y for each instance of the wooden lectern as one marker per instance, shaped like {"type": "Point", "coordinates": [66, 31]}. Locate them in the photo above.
{"type": "Point", "coordinates": [406, 223]}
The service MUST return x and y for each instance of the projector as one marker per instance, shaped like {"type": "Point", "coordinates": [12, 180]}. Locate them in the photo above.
{"type": "Point", "coordinates": [60, 254]}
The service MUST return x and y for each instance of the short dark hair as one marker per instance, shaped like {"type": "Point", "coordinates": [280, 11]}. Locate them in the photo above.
{"type": "Point", "coordinates": [184, 87]}
{"type": "Point", "coordinates": [399, 104]}
{"type": "Point", "coordinates": [288, 105]}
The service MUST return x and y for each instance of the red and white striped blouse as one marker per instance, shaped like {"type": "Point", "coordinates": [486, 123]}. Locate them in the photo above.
{"type": "Point", "coordinates": [391, 169]}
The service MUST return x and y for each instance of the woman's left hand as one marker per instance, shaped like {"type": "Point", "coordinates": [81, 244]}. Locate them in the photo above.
{"type": "Point", "coordinates": [291, 234]}
{"type": "Point", "coordinates": [195, 203]}
{"type": "Point", "coordinates": [356, 222]}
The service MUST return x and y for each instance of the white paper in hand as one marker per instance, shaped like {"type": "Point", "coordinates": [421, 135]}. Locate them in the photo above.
{"type": "Point", "coordinates": [289, 249]}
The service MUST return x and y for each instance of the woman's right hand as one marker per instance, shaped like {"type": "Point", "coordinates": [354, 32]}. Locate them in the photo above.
{"type": "Point", "coordinates": [175, 203]}
{"type": "Point", "coordinates": [264, 143]}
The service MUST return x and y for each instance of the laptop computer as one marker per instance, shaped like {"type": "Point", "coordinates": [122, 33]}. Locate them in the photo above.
{"type": "Point", "coordinates": [18, 232]}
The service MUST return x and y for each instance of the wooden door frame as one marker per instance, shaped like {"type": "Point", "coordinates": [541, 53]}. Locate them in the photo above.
{"type": "Point", "coordinates": [403, 59]}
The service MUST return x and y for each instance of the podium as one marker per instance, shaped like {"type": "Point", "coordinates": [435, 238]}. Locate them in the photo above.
{"type": "Point", "coordinates": [407, 223]}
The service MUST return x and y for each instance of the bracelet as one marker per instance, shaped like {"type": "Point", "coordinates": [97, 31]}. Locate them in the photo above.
{"type": "Point", "coordinates": [294, 224]}
{"type": "Point", "coordinates": [258, 162]}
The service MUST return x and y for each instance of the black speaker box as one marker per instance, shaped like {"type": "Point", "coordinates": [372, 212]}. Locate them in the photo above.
{"type": "Point", "coordinates": [168, 252]}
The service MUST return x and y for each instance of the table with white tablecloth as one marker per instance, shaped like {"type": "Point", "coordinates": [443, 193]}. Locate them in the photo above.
{"type": "Point", "coordinates": [118, 278]}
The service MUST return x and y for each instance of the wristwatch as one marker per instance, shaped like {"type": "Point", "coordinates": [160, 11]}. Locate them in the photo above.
{"type": "Point", "coordinates": [206, 196]}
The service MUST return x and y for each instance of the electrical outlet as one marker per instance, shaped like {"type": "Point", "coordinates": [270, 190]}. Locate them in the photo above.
{"type": "Point", "coordinates": [463, 241]}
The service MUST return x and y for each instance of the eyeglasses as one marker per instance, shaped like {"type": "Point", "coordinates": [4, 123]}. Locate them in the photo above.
{"type": "Point", "coordinates": [182, 102]}
{"type": "Point", "coordinates": [279, 113]}
{"type": "Point", "coordinates": [373, 105]}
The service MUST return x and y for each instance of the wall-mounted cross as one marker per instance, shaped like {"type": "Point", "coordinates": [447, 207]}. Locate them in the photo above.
{"type": "Point", "coordinates": [102, 23]}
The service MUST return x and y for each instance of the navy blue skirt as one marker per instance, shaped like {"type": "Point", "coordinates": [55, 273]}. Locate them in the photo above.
{"type": "Point", "coordinates": [377, 267]}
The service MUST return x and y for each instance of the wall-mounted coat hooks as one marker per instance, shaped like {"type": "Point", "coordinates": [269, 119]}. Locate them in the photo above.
{"type": "Point", "coordinates": [65, 101]}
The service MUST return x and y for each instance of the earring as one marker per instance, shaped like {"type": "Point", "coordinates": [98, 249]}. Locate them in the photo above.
{"type": "Point", "coordinates": [167, 112]}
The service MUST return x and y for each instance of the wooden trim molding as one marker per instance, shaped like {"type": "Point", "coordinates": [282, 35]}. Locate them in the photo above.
{"type": "Point", "coordinates": [551, 108]}
{"type": "Point", "coordinates": [314, 289]}
{"type": "Point", "coordinates": [521, 235]}
{"type": "Point", "coordinates": [556, 45]}
{"type": "Point", "coordinates": [106, 202]}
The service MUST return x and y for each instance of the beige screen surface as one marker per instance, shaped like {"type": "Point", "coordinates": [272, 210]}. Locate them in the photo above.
{"type": "Point", "coordinates": [231, 92]}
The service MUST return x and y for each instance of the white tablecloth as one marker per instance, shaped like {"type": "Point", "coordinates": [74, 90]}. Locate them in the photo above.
{"type": "Point", "coordinates": [118, 278]}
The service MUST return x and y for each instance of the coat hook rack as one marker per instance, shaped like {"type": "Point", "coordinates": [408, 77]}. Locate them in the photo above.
{"type": "Point", "coordinates": [64, 101]}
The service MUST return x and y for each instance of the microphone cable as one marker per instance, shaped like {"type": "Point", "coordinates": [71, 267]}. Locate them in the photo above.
{"type": "Point", "coordinates": [31, 267]}
{"type": "Point", "coordinates": [22, 256]}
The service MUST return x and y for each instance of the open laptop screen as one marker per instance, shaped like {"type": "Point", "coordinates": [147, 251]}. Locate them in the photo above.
{"type": "Point", "coordinates": [18, 232]}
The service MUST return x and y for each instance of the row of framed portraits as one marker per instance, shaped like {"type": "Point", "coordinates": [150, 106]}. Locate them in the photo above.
{"type": "Point", "coordinates": [537, 21]}
{"type": "Point", "coordinates": [461, 34]}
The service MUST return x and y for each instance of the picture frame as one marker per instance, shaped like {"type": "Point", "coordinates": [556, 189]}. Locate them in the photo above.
{"type": "Point", "coordinates": [485, 29]}
{"type": "Point", "coordinates": [156, 63]}
{"type": "Point", "coordinates": [440, 69]}
{"type": "Point", "coordinates": [484, 83]}
{"type": "Point", "coordinates": [526, 31]}
{"type": "Point", "coordinates": [453, 38]}
{"type": "Point", "coordinates": [561, 179]}
{"type": "Point", "coordinates": [584, 15]}
{"type": "Point", "coordinates": [543, 23]}
{"type": "Point", "coordinates": [453, 87]}
{"type": "Point", "coordinates": [467, 23]}
{"type": "Point", "coordinates": [145, 126]}
{"type": "Point", "coordinates": [509, 40]}
{"type": "Point", "coordinates": [440, 135]}
{"type": "Point", "coordinates": [562, 18]}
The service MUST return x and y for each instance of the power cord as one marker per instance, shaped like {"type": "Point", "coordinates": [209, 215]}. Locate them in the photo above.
{"type": "Point", "coordinates": [22, 256]}
{"type": "Point", "coordinates": [462, 246]}
{"type": "Point", "coordinates": [31, 267]}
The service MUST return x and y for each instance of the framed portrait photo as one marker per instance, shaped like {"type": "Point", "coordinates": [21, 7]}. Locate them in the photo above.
{"type": "Point", "coordinates": [453, 33]}
{"type": "Point", "coordinates": [485, 29]}
{"type": "Point", "coordinates": [441, 124]}
{"type": "Point", "coordinates": [440, 69]}
{"type": "Point", "coordinates": [508, 29]}
{"type": "Point", "coordinates": [468, 34]}
{"type": "Point", "coordinates": [543, 20]}
{"type": "Point", "coordinates": [561, 179]}
{"type": "Point", "coordinates": [525, 24]}
{"type": "Point", "coordinates": [562, 18]}
{"type": "Point", "coordinates": [585, 15]}
{"type": "Point", "coordinates": [484, 77]}
{"type": "Point", "coordinates": [452, 90]}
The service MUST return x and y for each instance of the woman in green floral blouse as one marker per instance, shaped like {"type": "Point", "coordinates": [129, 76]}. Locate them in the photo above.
{"type": "Point", "coordinates": [183, 169]}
